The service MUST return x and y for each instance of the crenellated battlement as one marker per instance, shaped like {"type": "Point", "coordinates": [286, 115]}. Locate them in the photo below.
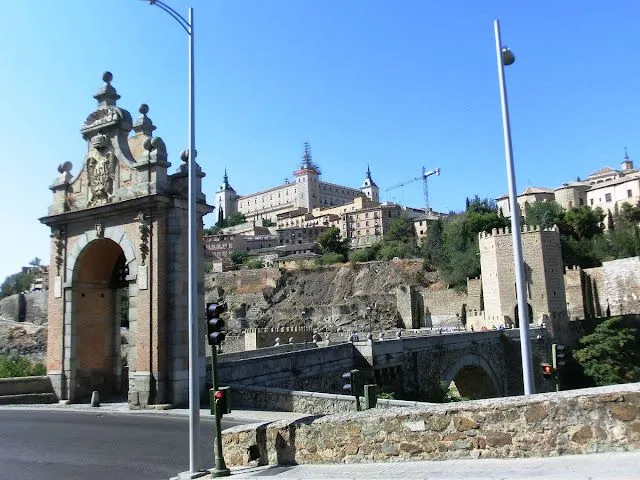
{"type": "Point", "coordinates": [276, 330]}
{"type": "Point", "coordinates": [497, 232]}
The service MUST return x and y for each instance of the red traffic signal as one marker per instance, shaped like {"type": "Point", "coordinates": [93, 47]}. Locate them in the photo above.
{"type": "Point", "coordinates": [547, 371]}
{"type": "Point", "coordinates": [218, 394]}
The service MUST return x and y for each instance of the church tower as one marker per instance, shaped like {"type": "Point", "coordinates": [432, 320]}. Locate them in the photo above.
{"type": "Point", "coordinates": [369, 187]}
{"type": "Point", "coordinates": [226, 199]}
{"type": "Point", "coordinates": [307, 182]}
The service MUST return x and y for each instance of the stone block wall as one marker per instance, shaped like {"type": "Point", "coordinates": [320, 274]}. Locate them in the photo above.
{"type": "Point", "coordinates": [622, 285]}
{"type": "Point", "coordinates": [314, 369]}
{"type": "Point", "coordinates": [573, 283]}
{"type": "Point", "coordinates": [572, 422]}
{"type": "Point", "coordinates": [443, 307]}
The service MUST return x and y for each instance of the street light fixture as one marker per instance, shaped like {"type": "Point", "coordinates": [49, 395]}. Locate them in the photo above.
{"type": "Point", "coordinates": [506, 57]}
{"type": "Point", "coordinates": [192, 230]}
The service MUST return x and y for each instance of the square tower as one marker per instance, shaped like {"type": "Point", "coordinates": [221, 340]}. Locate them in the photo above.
{"type": "Point", "coordinates": [543, 273]}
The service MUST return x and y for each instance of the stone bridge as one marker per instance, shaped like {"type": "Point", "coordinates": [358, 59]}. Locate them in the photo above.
{"type": "Point", "coordinates": [479, 364]}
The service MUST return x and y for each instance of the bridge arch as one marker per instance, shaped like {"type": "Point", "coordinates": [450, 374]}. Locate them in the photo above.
{"type": "Point", "coordinates": [474, 377]}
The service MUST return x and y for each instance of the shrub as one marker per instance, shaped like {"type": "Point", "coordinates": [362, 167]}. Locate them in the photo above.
{"type": "Point", "coordinates": [254, 263]}
{"type": "Point", "coordinates": [15, 366]}
{"type": "Point", "coordinates": [331, 257]}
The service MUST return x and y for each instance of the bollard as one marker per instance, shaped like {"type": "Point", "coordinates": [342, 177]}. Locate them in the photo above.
{"type": "Point", "coordinates": [95, 399]}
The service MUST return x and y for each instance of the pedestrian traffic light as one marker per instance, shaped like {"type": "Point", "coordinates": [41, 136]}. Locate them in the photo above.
{"type": "Point", "coordinates": [547, 371]}
{"type": "Point", "coordinates": [221, 398]}
{"type": "Point", "coordinates": [215, 334]}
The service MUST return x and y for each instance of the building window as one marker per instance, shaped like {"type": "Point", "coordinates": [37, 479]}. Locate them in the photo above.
{"type": "Point", "coordinates": [629, 193]}
{"type": "Point", "coordinates": [581, 201]}
{"type": "Point", "coordinates": [607, 197]}
{"type": "Point", "coordinates": [591, 202]}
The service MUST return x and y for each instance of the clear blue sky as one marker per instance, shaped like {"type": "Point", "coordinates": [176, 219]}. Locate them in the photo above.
{"type": "Point", "coordinates": [393, 84]}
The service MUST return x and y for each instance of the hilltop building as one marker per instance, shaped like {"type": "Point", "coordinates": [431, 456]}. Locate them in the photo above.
{"type": "Point", "coordinates": [606, 188]}
{"type": "Point", "coordinates": [304, 194]}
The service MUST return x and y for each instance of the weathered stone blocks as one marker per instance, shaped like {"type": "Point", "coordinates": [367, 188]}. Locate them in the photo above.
{"type": "Point", "coordinates": [573, 422]}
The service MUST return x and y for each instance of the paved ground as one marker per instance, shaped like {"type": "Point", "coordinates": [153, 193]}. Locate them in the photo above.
{"type": "Point", "coordinates": [77, 442]}
{"type": "Point", "coordinates": [602, 466]}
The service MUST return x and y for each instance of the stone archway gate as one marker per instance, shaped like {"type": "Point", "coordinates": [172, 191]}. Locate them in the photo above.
{"type": "Point", "coordinates": [124, 217]}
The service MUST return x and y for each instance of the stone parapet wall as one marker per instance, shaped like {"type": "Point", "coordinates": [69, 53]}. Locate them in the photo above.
{"type": "Point", "coordinates": [313, 369]}
{"type": "Point", "coordinates": [572, 422]}
{"type": "Point", "coordinates": [264, 352]}
{"type": "Point", "coordinates": [304, 402]}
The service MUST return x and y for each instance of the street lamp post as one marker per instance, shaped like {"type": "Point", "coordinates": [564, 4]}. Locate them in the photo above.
{"type": "Point", "coordinates": [192, 229]}
{"type": "Point", "coordinates": [506, 57]}
{"type": "Point", "coordinates": [304, 321]}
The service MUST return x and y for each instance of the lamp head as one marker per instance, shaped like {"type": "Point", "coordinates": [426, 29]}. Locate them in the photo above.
{"type": "Point", "coordinates": [507, 56]}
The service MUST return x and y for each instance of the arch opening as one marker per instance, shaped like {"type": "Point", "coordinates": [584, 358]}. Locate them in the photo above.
{"type": "Point", "coordinates": [517, 319]}
{"type": "Point", "coordinates": [473, 382]}
{"type": "Point", "coordinates": [100, 321]}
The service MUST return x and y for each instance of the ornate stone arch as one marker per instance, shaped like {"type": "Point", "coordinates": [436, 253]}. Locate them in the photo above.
{"type": "Point", "coordinates": [116, 234]}
{"type": "Point", "coordinates": [475, 360]}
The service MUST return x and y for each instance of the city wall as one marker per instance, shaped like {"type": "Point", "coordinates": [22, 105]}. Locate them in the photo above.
{"type": "Point", "coordinates": [303, 402]}
{"type": "Point", "coordinates": [551, 424]}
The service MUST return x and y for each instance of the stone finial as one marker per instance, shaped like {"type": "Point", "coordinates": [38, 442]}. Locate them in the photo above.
{"type": "Point", "coordinates": [107, 95]}
{"type": "Point", "coordinates": [143, 124]}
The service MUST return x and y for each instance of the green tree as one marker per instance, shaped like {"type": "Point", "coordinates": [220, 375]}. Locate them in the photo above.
{"type": "Point", "coordinates": [268, 223]}
{"type": "Point", "coordinates": [238, 257]}
{"type": "Point", "coordinates": [390, 249]}
{"type": "Point", "coordinates": [234, 219]}
{"type": "Point", "coordinates": [331, 258]}
{"type": "Point", "coordinates": [215, 230]}
{"type": "Point", "coordinates": [611, 354]}
{"type": "Point", "coordinates": [401, 230]}
{"type": "Point", "coordinates": [16, 283]}
{"type": "Point", "coordinates": [584, 222]}
{"type": "Point", "coordinates": [331, 242]}
{"type": "Point", "coordinates": [432, 247]}
{"type": "Point", "coordinates": [35, 262]}
{"type": "Point", "coordinates": [254, 263]}
{"type": "Point", "coordinates": [544, 214]}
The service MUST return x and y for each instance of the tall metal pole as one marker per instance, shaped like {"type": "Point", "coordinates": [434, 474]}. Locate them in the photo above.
{"type": "Point", "coordinates": [523, 312]}
{"type": "Point", "coordinates": [192, 227]}
{"type": "Point", "coordinates": [193, 251]}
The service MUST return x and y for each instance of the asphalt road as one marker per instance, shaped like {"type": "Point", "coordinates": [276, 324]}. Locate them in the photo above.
{"type": "Point", "coordinates": [97, 446]}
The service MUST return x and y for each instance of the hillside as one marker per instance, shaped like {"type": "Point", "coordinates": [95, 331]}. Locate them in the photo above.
{"type": "Point", "coordinates": [334, 297]}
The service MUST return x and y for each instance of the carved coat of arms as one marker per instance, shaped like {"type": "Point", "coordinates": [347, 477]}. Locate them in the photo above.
{"type": "Point", "coordinates": [100, 173]}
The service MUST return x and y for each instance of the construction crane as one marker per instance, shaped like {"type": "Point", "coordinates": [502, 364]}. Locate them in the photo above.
{"type": "Point", "coordinates": [425, 174]}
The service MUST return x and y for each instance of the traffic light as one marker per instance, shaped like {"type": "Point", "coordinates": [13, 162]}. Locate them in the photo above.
{"type": "Point", "coordinates": [547, 371]}
{"type": "Point", "coordinates": [222, 400]}
{"type": "Point", "coordinates": [215, 334]}
{"type": "Point", "coordinates": [560, 354]}
{"type": "Point", "coordinates": [351, 382]}
{"type": "Point", "coordinates": [350, 385]}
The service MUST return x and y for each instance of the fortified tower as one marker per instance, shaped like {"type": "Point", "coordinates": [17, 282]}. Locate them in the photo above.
{"type": "Point", "coordinates": [307, 182]}
{"type": "Point", "coordinates": [369, 187]}
{"type": "Point", "coordinates": [119, 263]}
{"type": "Point", "coordinates": [543, 272]}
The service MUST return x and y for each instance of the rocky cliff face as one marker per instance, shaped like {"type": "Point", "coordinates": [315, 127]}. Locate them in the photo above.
{"type": "Point", "coordinates": [338, 297]}
{"type": "Point", "coordinates": [28, 337]}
